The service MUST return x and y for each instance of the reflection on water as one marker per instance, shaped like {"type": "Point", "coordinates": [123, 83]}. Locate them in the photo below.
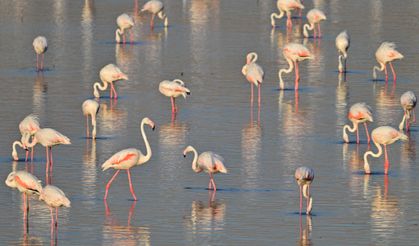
{"type": "Point", "coordinates": [89, 172]}
{"type": "Point", "coordinates": [250, 149]}
{"type": "Point", "coordinates": [387, 104]}
{"type": "Point", "coordinates": [305, 232]}
{"type": "Point", "coordinates": [341, 103]}
{"type": "Point", "coordinates": [113, 117]}
{"type": "Point", "coordinates": [40, 89]}
{"type": "Point", "coordinates": [86, 23]}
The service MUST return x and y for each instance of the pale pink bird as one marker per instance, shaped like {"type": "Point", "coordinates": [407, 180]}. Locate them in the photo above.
{"type": "Point", "coordinates": [304, 176]}
{"type": "Point", "coordinates": [254, 73]}
{"type": "Point", "coordinates": [342, 44]}
{"type": "Point", "coordinates": [293, 53]}
{"type": "Point", "coordinates": [124, 22]}
{"type": "Point", "coordinates": [109, 74]}
{"type": "Point", "coordinates": [358, 113]}
{"type": "Point", "coordinates": [285, 6]}
{"type": "Point", "coordinates": [383, 135]}
{"type": "Point", "coordinates": [208, 162]}
{"type": "Point", "coordinates": [173, 89]}
{"type": "Point", "coordinates": [128, 158]}
{"type": "Point", "coordinates": [54, 197]}
{"type": "Point", "coordinates": [155, 7]}
{"type": "Point", "coordinates": [386, 53]}
{"type": "Point", "coordinates": [27, 127]}
{"type": "Point", "coordinates": [408, 102]}
{"type": "Point", "coordinates": [40, 46]}
{"type": "Point", "coordinates": [314, 16]}
{"type": "Point", "coordinates": [90, 107]}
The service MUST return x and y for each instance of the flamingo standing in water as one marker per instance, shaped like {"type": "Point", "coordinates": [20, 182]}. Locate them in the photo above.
{"type": "Point", "coordinates": [124, 22]}
{"type": "Point", "coordinates": [304, 176]}
{"type": "Point", "coordinates": [358, 113]}
{"type": "Point", "coordinates": [155, 7]}
{"type": "Point", "coordinates": [408, 102]}
{"type": "Point", "coordinates": [314, 16]}
{"type": "Point", "coordinates": [208, 162]}
{"type": "Point", "coordinates": [342, 44]}
{"type": "Point", "coordinates": [386, 53]}
{"type": "Point", "coordinates": [254, 74]}
{"type": "Point", "coordinates": [383, 135]}
{"type": "Point", "coordinates": [40, 45]}
{"type": "Point", "coordinates": [294, 53]}
{"type": "Point", "coordinates": [27, 127]}
{"type": "Point", "coordinates": [90, 107]}
{"type": "Point", "coordinates": [128, 158]}
{"type": "Point", "coordinates": [109, 74]}
{"type": "Point", "coordinates": [285, 6]}
{"type": "Point", "coordinates": [173, 89]}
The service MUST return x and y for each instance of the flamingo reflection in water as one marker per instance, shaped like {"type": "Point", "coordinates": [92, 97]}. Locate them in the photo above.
{"type": "Point", "coordinates": [206, 216]}
{"type": "Point", "coordinates": [305, 234]}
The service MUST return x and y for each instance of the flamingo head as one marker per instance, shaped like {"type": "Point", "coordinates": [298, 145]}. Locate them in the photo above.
{"type": "Point", "coordinates": [187, 149]}
{"type": "Point", "coordinates": [10, 180]}
{"type": "Point", "coordinates": [149, 122]}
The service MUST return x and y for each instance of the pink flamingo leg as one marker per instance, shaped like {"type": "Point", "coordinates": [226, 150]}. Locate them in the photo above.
{"type": "Point", "coordinates": [251, 94]}
{"type": "Point", "coordinates": [297, 76]}
{"type": "Point", "coordinates": [258, 94]}
{"type": "Point", "coordinates": [51, 161]}
{"type": "Point", "coordinates": [314, 31]}
{"type": "Point", "coordinates": [42, 62]}
{"type": "Point", "coordinates": [47, 154]}
{"type": "Point", "coordinates": [319, 30]}
{"type": "Point", "coordinates": [407, 124]}
{"type": "Point", "coordinates": [289, 22]}
{"type": "Point", "coordinates": [308, 198]}
{"type": "Point", "coordinates": [123, 38]}
{"type": "Point", "coordinates": [87, 127]}
{"type": "Point", "coordinates": [366, 132]}
{"type": "Point", "coordinates": [386, 162]}
{"type": "Point", "coordinates": [111, 93]}
{"type": "Point", "coordinates": [114, 91]}
{"type": "Point", "coordinates": [385, 72]}
{"type": "Point", "coordinates": [152, 22]}
{"type": "Point", "coordinates": [173, 105]}
{"type": "Point", "coordinates": [37, 62]}
{"type": "Point", "coordinates": [394, 72]}
{"type": "Point", "coordinates": [131, 36]}
{"type": "Point", "coordinates": [301, 199]}
{"type": "Point", "coordinates": [52, 223]}
{"type": "Point", "coordinates": [109, 184]}
{"type": "Point", "coordinates": [357, 136]}
{"type": "Point", "coordinates": [130, 185]}
{"type": "Point", "coordinates": [56, 217]}
{"type": "Point", "coordinates": [31, 154]}
{"type": "Point", "coordinates": [27, 154]}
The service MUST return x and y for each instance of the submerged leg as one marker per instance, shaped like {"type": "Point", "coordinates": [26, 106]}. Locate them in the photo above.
{"type": "Point", "coordinates": [366, 132]}
{"type": "Point", "coordinates": [297, 76]}
{"type": "Point", "coordinates": [87, 126]}
{"type": "Point", "coordinates": [386, 162]}
{"type": "Point", "coordinates": [109, 184]}
{"type": "Point", "coordinates": [301, 199]}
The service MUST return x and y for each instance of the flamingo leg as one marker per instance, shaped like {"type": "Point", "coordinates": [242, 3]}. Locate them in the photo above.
{"type": "Point", "coordinates": [114, 91]}
{"type": "Point", "coordinates": [289, 22]}
{"type": "Point", "coordinates": [385, 72]}
{"type": "Point", "coordinates": [407, 124]}
{"type": "Point", "coordinates": [51, 161]}
{"type": "Point", "coordinates": [308, 199]}
{"type": "Point", "coordinates": [152, 21]}
{"type": "Point", "coordinates": [47, 154]}
{"type": "Point", "coordinates": [301, 199]}
{"type": "Point", "coordinates": [111, 93]}
{"type": "Point", "coordinates": [27, 154]}
{"type": "Point", "coordinates": [32, 153]}
{"type": "Point", "coordinates": [52, 223]}
{"type": "Point", "coordinates": [357, 136]}
{"type": "Point", "coordinates": [366, 132]}
{"type": "Point", "coordinates": [319, 31]}
{"type": "Point", "coordinates": [214, 187]}
{"type": "Point", "coordinates": [259, 95]}
{"type": "Point", "coordinates": [130, 185]}
{"type": "Point", "coordinates": [386, 162]}
{"type": "Point", "coordinates": [109, 184]}
{"type": "Point", "coordinates": [37, 62]}
{"type": "Point", "coordinates": [251, 93]}
{"type": "Point", "coordinates": [297, 76]}
{"type": "Point", "coordinates": [123, 38]}
{"type": "Point", "coordinates": [87, 126]}
{"type": "Point", "coordinates": [42, 62]}
{"type": "Point", "coordinates": [56, 217]}
{"type": "Point", "coordinates": [314, 31]}
{"type": "Point", "coordinates": [131, 36]}
{"type": "Point", "coordinates": [174, 103]}
{"type": "Point", "coordinates": [393, 72]}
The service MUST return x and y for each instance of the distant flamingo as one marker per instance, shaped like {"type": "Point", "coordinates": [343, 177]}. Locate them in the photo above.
{"type": "Point", "coordinates": [40, 46]}
{"type": "Point", "coordinates": [90, 107]}
{"type": "Point", "coordinates": [254, 73]}
{"type": "Point", "coordinates": [208, 162]}
{"type": "Point", "coordinates": [27, 127]}
{"type": "Point", "coordinates": [408, 102]}
{"type": "Point", "coordinates": [304, 176]}
{"type": "Point", "coordinates": [285, 6]}
{"type": "Point", "coordinates": [124, 22]}
{"type": "Point", "coordinates": [386, 53]}
{"type": "Point", "coordinates": [314, 16]}
{"type": "Point", "coordinates": [294, 53]}
{"type": "Point", "coordinates": [173, 89]}
{"type": "Point", "coordinates": [109, 74]}
{"type": "Point", "coordinates": [358, 113]}
{"type": "Point", "coordinates": [383, 135]}
{"type": "Point", "coordinates": [342, 44]}
{"type": "Point", "coordinates": [155, 7]}
{"type": "Point", "coordinates": [128, 158]}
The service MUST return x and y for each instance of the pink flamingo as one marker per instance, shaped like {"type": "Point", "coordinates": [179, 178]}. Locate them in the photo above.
{"type": "Point", "coordinates": [285, 6]}
{"type": "Point", "coordinates": [173, 89]}
{"type": "Point", "coordinates": [27, 127]}
{"type": "Point", "coordinates": [40, 46]}
{"type": "Point", "coordinates": [155, 7]}
{"type": "Point", "coordinates": [358, 113]}
{"type": "Point", "coordinates": [128, 158]}
{"type": "Point", "coordinates": [314, 16]}
{"type": "Point", "coordinates": [294, 53]}
{"type": "Point", "coordinates": [386, 53]}
{"type": "Point", "coordinates": [90, 107]}
{"type": "Point", "coordinates": [304, 176]}
{"type": "Point", "coordinates": [124, 22]}
{"type": "Point", "coordinates": [208, 162]}
{"type": "Point", "coordinates": [383, 135]}
{"type": "Point", "coordinates": [109, 74]}
{"type": "Point", "coordinates": [408, 102]}
{"type": "Point", "coordinates": [342, 44]}
{"type": "Point", "coordinates": [254, 73]}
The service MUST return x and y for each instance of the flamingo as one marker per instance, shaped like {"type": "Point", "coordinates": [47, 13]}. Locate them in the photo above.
{"type": "Point", "coordinates": [90, 107]}
{"type": "Point", "coordinates": [386, 53]}
{"type": "Point", "coordinates": [128, 158]}
{"type": "Point", "coordinates": [304, 176]}
{"type": "Point", "coordinates": [408, 102]}
{"type": "Point", "coordinates": [124, 22]}
{"type": "Point", "coordinates": [155, 7]}
{"type": "Point", "coordinates": [40, 46]}
{"type": "Point", "coordinates": [314, 16]}
{"type": "Point", "coordinates": [27, 127]}
{"type": "Point", "coordinates": [342, 44]}
{"type": "Point", "coordinates": [254, 73]}
{"type": "Point", "coordinates": [108, 74]}
{"type": "Point", "coordinates": [208, 162]}
{"type": "Point", "coordinates": [358, 113]}
{"type": "Point", "coordinates": [285, 6]}
{"type": "Point", "coordinates": [173, 89]}
{"type": "Point", "coordinates": [383, 135]}
{"type": "Point", "coordinates": [294, 53]}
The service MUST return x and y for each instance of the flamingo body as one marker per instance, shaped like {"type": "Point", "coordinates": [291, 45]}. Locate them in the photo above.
{"type": "Point", "coordinates": [124, 22]}
{"type": "Point", "coordinates": [285, 6]}
{"type": "Point", "coordinates": [173, 89]}
{"type": "Point", "coordinates": [386, 53]}
{"type": "Point", "coordinates": [314, 16]}
{"type": "Point", "coordinates": [109, 74]}
{"type": "Point", "coordinates": [90, 107]}
{"type": "Point", "coordinates": [293, 53]}
{"type": "Point", "coordinates": [342, 44]}
{"type": "Point", "coordinates": [358, 113]}
{"type": "Point", "coordinates": [24, 182]}
{"type": "Point", "coordinates": [408, 101]}
{"type": "Point", "coordinates": [155, 7]}
{"type": "Point", "coordinates": [27, 127]}
{"type": "Point", "coordinates": [48, 137]}
{"type": "Point", "coordinates": [40, 45]}
{"type": "Point", "coordinates": [54, 197]}
{"type": "Point", "coordinates": [253, 73]}
{"type": "Point", "coordinates": [304, 176]}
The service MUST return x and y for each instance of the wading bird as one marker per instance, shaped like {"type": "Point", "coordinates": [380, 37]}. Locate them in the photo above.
{"type": "Point", "coordinates": [109, 74]}
{"type": "Point", "coordinates": [27, 127]}
{"type": "Point", "coordinates": [408, 102]}
{"type": "Point", "coordinates": [155, 7]}
{"type": "Point", "coordinates": [314, 16]}
{"type": "Point", "coordinates": [40, 46]}
{"type": "Point", "coordinates": [293, 53]}
{"type": "Point", "coordinates": [90, 107]}
{"type": "Point", "coordinates": [358, 113]}
{"type": "Point", "coordinates": [285, 6]}
{"type": "Point", "coordinates": [173, 89]}
{"type": "Point", "coordinates": [386, 53]}
{"type": "Point", "coordinates": [124, 22]}
{"type": "Point", "coordinates": [54, 197]}
{"type": "Point", "coordinates": [342, 44]}
{"type": "Point", "coordinates": [254, 74]}
{"type": "Point", "coordinates": [304, 176]}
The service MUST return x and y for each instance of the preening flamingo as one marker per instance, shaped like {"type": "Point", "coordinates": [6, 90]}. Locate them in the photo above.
{"type": "Point", "coordinates": [358, 113]}
{"type": "Point", "coordinates": [383, 135]}
{"type": "Point", "coordinates": [27, 127]}
{"type": "Point", "coordinates": [173, 89]}
{"type": "Point", "coordinates": [386, 53]}
{"type": "Point", "coordinates": [285, 6]}
{"type": "Point", "coordinates": [128, 158]}
{"type": "Point", "coordinates": [408, 102]}
{"type": "Point", "coordinates": [124, 22]}
{"type": "Point", "coordinates": [254, 73]}
{"type": "Point", "coordinates": [314, 16]}
{"type": "Point", "coordinates": [293, 53]}
{"type": "Point", "coordinates": [208, 162]}
{"type": "Point", "coordinates": [109, 74]}
{"type": "Point", "coordinates": [155, 7]}
{"type": "Point", "coordinates": [90, 107]}
{"type": "Point", "coordinates": [342, 44]}
{"type": "Point", "coordinates": [304, 176]}
{"type": "Point", "coordinates": [40, 46]}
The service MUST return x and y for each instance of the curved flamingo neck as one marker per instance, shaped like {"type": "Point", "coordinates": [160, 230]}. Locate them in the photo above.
{"type": "Point", "coordinates": [291, 67]}
{"type": "Point", "coordinates": [14, 146]}
{"type": "Point", "coordinates": [195, 160]}
{"type": "Point", "coordinates": [147, 146]}
{"type": "Point", "coordinates": [306, 28]}
{"type": "Point", "coordinates": [94, 125]}
{"type": "Point", "coordinates": [374, 73]}
{"type": "Point", "coordinates": [375, 155]}
{"type": "Point", "coordinates": [97, 86]}
{"type": "Point", "coordinates": [276, 16]}
{"type": "Point", "coordinates": [118, 34]}
{"type": "Point", "coordinates": [353, 129]}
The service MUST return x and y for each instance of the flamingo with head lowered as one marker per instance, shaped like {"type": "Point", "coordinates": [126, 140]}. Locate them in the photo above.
{"type": "Point", "coordinates": [285, 6]}
{"type": "Point", "coordinates": [109, 74]}
{"type": "Point", "coordinates": [40, 45]}
{"type": "Point", "coordinates": [408, 102]}
{"type": "Point", "coordinates": [342, 44]}
{"type": "Point", "coordinates": [254, 74]}
{"type": "Point", "coordinates": [358, 113]}
{"type": "Point", "coordinates": [90, 107]}
{"type": "Point", "coordinates": [304, 176]}
{"type": "Point", "coordinates": [314, 16]}
{"type": "Point", "coordinates": [27, 127]}
{"type": "Point", "coordinates": [173, 89]}
{"type": "Point", "coordinates": [293, 53]}
{"type": "Point", "coordinates": [124, 22]}
{"type": "Point", "coordinates": [386, 53]}
{"type": "Point", "coordinates": [155, 7]}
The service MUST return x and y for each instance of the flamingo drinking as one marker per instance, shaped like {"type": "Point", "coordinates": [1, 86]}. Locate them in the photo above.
{"type": "Point", "coordinates": [314, 16]}
{"type": "Point", "coordinates": [408, 102]}
{"type": "Point", "coordinates": [109, 74]}
{"type": "Point", "coordinates": [124, 22]}
{"type": "Point", "coordinates": [155, 7]}
{"type": "Point", "coordinates": [173, 89]}
{"type": "Point", "coordinates": [90, 107]}
{"type": "Point", "coordinates": [304, 176]}
{"type": "Point", "coordinates": [285, 6]}
{"type": "Point", "coordinates": [386, 53]}
{"type": "Point", "coordinates": [294, 53]}
{"type": "Point", "coordinates": [358, 113]}
{"type": "Point", "coordinates": [342, 44]}
{"type": "Point", "coordinates": [40, 46]}
{"type": "Point", "coordinates": [27, 127]}
{"type": "Point", "coordinates": [254, 74]}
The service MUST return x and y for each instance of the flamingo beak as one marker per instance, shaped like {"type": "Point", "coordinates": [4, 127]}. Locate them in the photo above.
{"type": "Point", "coordinates": [184, 156]}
